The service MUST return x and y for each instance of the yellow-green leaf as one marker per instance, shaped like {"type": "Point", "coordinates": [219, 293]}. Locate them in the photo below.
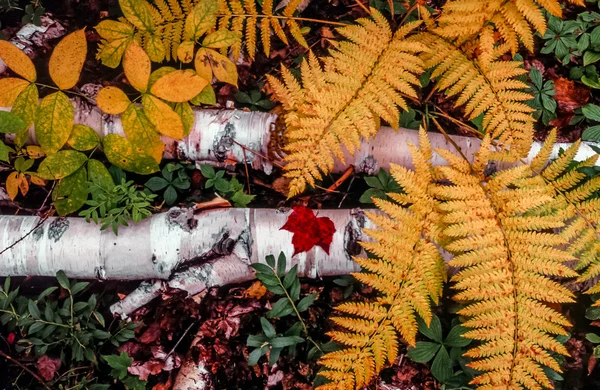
{"type": "Point", "coordinates": [70, 193]}
{"type": "Point", "coordinates": [26, 104]}
{"type": "Point", "coordinates": [112, 30]}
{"type": "Point", "coordinates": [179, 86]}
{"type": "Point", "coordinates": [220, 39]}
{"type": "Point", "coordinates": [137, 67]}
{"type": "Point", "coordinates": [99, 175]}
{"type": "Point", "coordinates": [139, 13]}
{"type": "Point", "coordinates": [112, 100]}
{"type": "Point", "coordinates": [17, 61]}
{"type": "Point", "coordinates": [158, 73]}
{"type": "Point", "coordinates": [207, 96]}
{"type": "Point", "coordinates": [222, 67]}
{"type": "Point", "coordinates": [111, 52]}
{"type": "Point", "coordinates": [155, 48]}
{"type": "Point", "coordinates": [185, 112]}
{"type": "Point", "coordinates": [201, 19]}
{"type": "Point", "coordinates": [185, 51]}
{"type": "Point", "coordinates": [124, 155]}
{"type": "Point", "coordinates": [54, 121]}
{"type": "Point", "coordinates": [10, 88]}
{"type": "Point", "coordinates": [202, 64]}
{"type": "Point", "coordinates": [83, 138]}
{"type": "Point", "coordinates": [61, 164]}
{"type": "Point", "coordinates": [11, 123]}
{"type": "Point", "coordinates": [162, 116]}
{"type": "Point", "coordinates": [142, 133]}
{"type": "Point", "coordinates": [67, 59]}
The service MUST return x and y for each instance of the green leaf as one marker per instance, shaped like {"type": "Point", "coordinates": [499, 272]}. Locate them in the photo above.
{"type": "Point", "coordinates": [11, 123]}
{"type": "Point", "coordinates": [25, 106]}
{"type": "Point", "coordinates": [441, 368]}
{"type": "Point", "coordinates": [591, 112]}
{"type": "Point", "coordinates": [455, 339]}
{"type": "Point", "coordinates": [4, 152]}
{"type": "Point", "coordinates": [306, 302]}
{"type": "Point", "coordinates": [138, 13]}
{"type": "Point", "coordinates": [156, 183]}
{"type": "Point", "coordinates": [433, 331]}
{"type": "Point", "coordinates": [122, 153]}
{"type": "Point", "coordinates": [170, 195]}
{"type": "Point", "coordinates": [270, 260]}
{"type": "Point", "coordinates": [99, 175]}
{"type": "Point", "coordinates": [267, 328]}
{"type": "Point", "coordinates": [281, 308]}
{"type": "Point", "coordinates": [221, 39]}
{"type": "Point", "coordinates": [46, 292]}
{"type": "Point", "coordinates": [142, 133]}
{"type": "Point", "coordinates": [62, 279]}
{"type": "Point", "coordinates": [33, 310]}
{"type": "Point", "coordinates": [423, 352]}
{"type": "Point", "coordinates": [262, 268]}
{"type": "Point", "coordinates": [591, 134]}
{"type": "Point", "coordinates": [61, 164]}
{"type": "Point", "coordinates": [282, 342]}
{"type": "Point", "coordinates": [281, 264]}
{"type": "Point", "coordinates": [185, 112]}
{"type": "Point", "coordinates": [207, 96]}
{"type": "Point", "coordinates": [79, 287]}
{"type": "Point", "coordinates": [592, 338]}
{"type": "Point", "coordinates": [35, 327]}
{"type": "Point", "coordinates": [290, 277]}
{"type": "Point", "coordinates": [590, 57]}
{"type": "Point", "coordinates": [54, 121]}
{"type": "Point", "coordinates": [70, 193]}
{"type": "Point", "coordinates": [201, 19]}
{"type": "Point", "coordinates": [368, 195]}
{"type": "Point", "coordinates": [256, 355]}
{"type": "Point", "coordinates": [207, 171]}
{"type": "Point", "coordinates": [274, 355]}
{"type": "Point", "coordinates": [256, 340]}
{"type": "Point", "coordinates": [119, 364]}
{"type": "Point", "coordinates": [83, 138]}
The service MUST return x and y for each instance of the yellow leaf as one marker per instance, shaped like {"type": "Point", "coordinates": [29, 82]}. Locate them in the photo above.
{"type": "Point", "coordinates": [222, 67]}
{"type": "Point", "coordinates": [111, 53]}
{"type": "Point", "coordinates": [25, 107]}
{"type": "Point", "coordinates": [61, 164]}
{"type": "Point", "coordinates": [17, 61]}
{"type": "Point", "coordinates": [10, 88]}
{"type": "Point", "coordinates": [220, 39]}
{"type": "Point", "coordinates": [162, 116]}
{"type": "Point", "coordinates": [201, 19]}
{"type": "Point", "coordinates": [12, 185]}
{"type": "Point", "coordinates": [158, 73]}
{"type": "Point", "coordinates": [124, 155]}
{"type": "Point", "coordinates": [113, 30]}
{"type": "Point", "coordinates": [67, 60]}
{"type": "Point", "coordinates": [112, 100]}
{"type": "Point", "coordinates": [141, 133]}
{"type": "Point", "coordinates": [185, 51]}
{"type": "Point", "coordinates": [185, 112]}
{"type": "Point", "coordinates": [179, 86]}
{"type": "Point", "coordinates": [203, 65]}
{"type": "Point", "coordinates": [137, 67]}
{"type": "Point", "coordinates": [155, 48]}
{"type": "Point", "coordinates": [54, 121]}
{"type": "Point", "coordinates": [35, 179]}
{"type": "Point", "coordinates": [23, 185]}
{"type": "Point", "coordinates": [34, 151]}
{"type": "Point", "coordinates": [83, 138]}
{"type": "Point", "coordinates": [138, 13]}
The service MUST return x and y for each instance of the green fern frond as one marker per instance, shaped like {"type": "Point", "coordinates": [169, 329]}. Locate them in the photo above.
{"type": "Point", "coordinates": [408, 272]}
{"type": "Point", "coordinates": [365, 78]}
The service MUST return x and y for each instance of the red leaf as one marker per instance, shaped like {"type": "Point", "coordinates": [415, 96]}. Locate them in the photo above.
{"type": "Point", "coordinates": [11, 338]}
{"type": "Point", "coordinates": [47, 367]}
{"type": "Point", "coordinates": [309, 230]}
{"type": "Point", "coordinates": [570, 96]}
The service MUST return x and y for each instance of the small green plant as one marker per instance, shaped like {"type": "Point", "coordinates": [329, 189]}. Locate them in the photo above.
{"type": "Point", "coordinates": [380, 185]}
{"type": "Point", "coordinates": [543, 101]}
{"type": "Point", "coordinates": [118, 205]}
{"type": "Point", "coordinates": [286, 285]}
{"type": "Point", "coordinates": [347, 282]}
{"type": "Point", "coordinates": [446, 353]}
{"type": "Point", "coordinates": [230, 189]}
{"type": "Point", "coordinates": [33, 13]}
{"type": "Point", "coordinates": [254, 100]}
{"type": "Point", "coordinates": [560, 38]}
{"type": "Point", "coordinates": [171, 184]}
{"type": "Point", "coordinates": [119, 365]}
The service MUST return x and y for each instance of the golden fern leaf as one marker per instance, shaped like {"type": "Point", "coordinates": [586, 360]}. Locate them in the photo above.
{"type": "Point", "coordinates": [496, 228]}
{"type": "Point", "coordinates": [491, 89]}
{"type": "Point", "coordinates": [364, 79]}
{"type": "Point", "coordinates": [408, 273]}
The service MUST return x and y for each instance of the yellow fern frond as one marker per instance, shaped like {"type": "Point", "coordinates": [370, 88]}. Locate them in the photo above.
{"type": "Point", "coordinates": [408, 272]}
{"type": "Point", "coordinates": [365, 78]}
{"type": "Point", "coordinates": [497, 229]}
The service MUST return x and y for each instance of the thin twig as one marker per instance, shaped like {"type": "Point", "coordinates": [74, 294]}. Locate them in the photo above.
{"type": "Point", "coordinates": [361, 5]}
{"type": "Point", "coordinates": [448, 138]}
{"type": "Point", "coordinates": [349, 171]}
{"type": "Point", "coordinates": [179, 341]}
{"type": "Point", "coordinates": [37, 225]}
{"type": "Point", "coordinates": [258, 154]}
{"type": "Point", "coordinates": [247, 172]}
{"type": "Point", "coordinates": [24, 367]}
{"type": "Point", "coordinates": [290, 18]}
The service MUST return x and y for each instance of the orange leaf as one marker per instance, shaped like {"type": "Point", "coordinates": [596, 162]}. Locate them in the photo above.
{"type": "Point", "coordinates": [179, 86]}
{"type": "Point", "coordinates": [17, 61]}
{"type": "Point", "coordinates": [12, 185]}
{"type": "Point", "coordinates": [10, 88]}
{"type": "Point", "coordinates": [67, 59]}
{"type": "Point", "coordinates": [23, 185]}
{"type": "Point", "coordinates": [112, 100]}
{"type": "Point", "coordinates": [137, 66]}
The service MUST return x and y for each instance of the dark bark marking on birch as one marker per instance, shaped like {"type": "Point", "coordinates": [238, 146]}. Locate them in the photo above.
{"type": "Point", "coordinates": [182, 218]}
{"type": "Point", "coordinates": [353, 234]}
{"type": "Point", "coordinates": [57, 228]}
{"type": "Point", "coordinates": [369, 166]}
{"type": "Point", "coordinates": [223, 142]}
{"type": "Point", "coordinates": [38, 233]}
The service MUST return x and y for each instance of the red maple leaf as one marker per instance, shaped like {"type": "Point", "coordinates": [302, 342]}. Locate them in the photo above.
{"type": "Point", "coordinates": [309, 230]}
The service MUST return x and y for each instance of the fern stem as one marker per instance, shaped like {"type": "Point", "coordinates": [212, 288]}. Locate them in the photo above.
{"type": "Point", "coordinates": [292, 18]}
{"type": "Point", "coordinates": [449, 139]}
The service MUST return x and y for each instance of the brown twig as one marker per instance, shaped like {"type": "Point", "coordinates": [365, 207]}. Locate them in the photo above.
{"type": "Point", "coordinates": [449, 139]}
{"type": "Point", "coordinates": [361, 5]}
{"type": "Point", "coordinates": [247, 172]}
{"type": "Point", "coordinates": [349, 171]}
{"type": "Point", "coordinates": [258, 154]}
{"type": "Point", "coordinates": [24, 367]}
